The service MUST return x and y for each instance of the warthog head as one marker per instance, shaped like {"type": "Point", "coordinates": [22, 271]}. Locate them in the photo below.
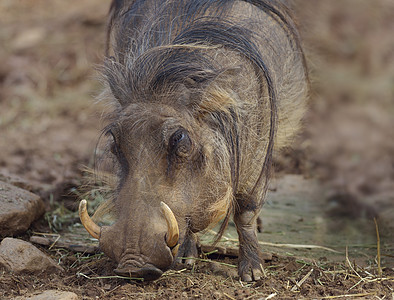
{"type": "Point", "coordinates": [167, 172]}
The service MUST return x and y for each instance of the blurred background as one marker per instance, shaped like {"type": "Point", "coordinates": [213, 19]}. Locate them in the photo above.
{"type": "Point", "coordinates": [50, 123]}
{"type": "Point", "coordinates": [348, 141]}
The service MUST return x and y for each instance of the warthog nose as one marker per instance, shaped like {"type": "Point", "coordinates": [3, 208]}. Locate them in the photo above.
{"type": "Point", "coordinates": [147, 272]}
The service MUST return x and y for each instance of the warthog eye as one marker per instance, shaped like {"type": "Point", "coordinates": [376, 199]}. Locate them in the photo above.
{"type": "Point", "coordinates": [180, 143]}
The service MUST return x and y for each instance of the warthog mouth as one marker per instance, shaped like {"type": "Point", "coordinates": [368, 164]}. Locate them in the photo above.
{"type": "Point", "coordinates": [130, 265]}
{"type": "Point", "coordinates": [147, 272]}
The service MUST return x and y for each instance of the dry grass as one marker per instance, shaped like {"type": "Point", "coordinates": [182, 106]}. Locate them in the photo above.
{"type": "Point", "coordinates": [283, 277]}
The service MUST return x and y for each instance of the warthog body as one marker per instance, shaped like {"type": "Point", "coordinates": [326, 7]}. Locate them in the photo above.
{"type": "Point", "coordinates": [204, 91]}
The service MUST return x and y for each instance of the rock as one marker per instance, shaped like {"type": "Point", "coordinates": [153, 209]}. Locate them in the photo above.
{"type": "Point", "coordinates": [51, 295]}
{"type": "Point", "coordinates": [54, 295]}
{"type": "Point", "coordinates": [18, 181]}
{"type": "Point", "coordinates": [22, 257]}
{"type": "Point", "coordinates": [18, 209]}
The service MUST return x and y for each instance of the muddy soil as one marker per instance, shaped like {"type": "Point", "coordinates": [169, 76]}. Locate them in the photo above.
{"type": "Point", "coordinates": [50, 124]}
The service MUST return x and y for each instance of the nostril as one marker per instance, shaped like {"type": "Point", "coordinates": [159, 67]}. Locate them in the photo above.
{"type": "Point", "coordinates": [150, 273]}
{"type": "Point", "coordinates": [147, 272]}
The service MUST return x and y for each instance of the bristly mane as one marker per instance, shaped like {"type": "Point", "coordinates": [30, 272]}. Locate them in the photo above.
{"type": "Point", "coordinates": [164, 47]}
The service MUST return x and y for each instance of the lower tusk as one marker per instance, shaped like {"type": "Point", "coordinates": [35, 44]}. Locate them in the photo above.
{"type": "Point", "coordinates": [174, 250]}
{"type": "Point", "coordinates": [90, 226]}
{"type": "Point", "coordinates": [172, 236]}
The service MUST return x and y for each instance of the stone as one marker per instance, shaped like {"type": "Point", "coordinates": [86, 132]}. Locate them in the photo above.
{"type": "Point", "coordinates": [18, 256]}
{"type": "Point", "coordinates": [15, 180]}
{"type": "Point", "coordinates": [18, 209]}
{"type": "Point", "coordinates": [20, 182]}
{"type": "Point", "coordinates": [55, 295]}
{"type": "Point", "coordinates": [51, 295]}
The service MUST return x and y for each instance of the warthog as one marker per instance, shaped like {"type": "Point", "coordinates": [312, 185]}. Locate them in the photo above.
{"type": "Point", "coordinates": [203, 92]}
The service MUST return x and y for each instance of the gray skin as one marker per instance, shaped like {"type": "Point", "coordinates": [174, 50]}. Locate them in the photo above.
{"type": "Point", "coordinates": [200, 136]}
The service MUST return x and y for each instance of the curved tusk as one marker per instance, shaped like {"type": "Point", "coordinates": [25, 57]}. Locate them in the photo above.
{"type": "Point", "coordinates": [172, 236]}
{"type": "Point", "coordinates": [90, 226]}
{"type": "Point", "coordinates": [174, 250]}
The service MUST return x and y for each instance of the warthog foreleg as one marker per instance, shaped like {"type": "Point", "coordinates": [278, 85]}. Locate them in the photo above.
{"type": "Point", "coordinates": [189, 248]}
{"type": "Point", "coordinates": [250, 255]}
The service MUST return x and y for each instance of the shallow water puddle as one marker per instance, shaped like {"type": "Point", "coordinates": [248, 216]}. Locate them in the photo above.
{"type": "Point", "coordinates": [298, 213]}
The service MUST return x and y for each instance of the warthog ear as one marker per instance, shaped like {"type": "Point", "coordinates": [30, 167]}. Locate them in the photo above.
{"type": "Point", "coordinates": [114, 73]}
{"type": "Point", "coordinates": [216, 99]}
{"type": "Point", "coordinates": [220, 94]}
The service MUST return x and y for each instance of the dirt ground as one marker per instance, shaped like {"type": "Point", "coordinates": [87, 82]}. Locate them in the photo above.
{"type": "Point", "coordinates": [50, 123]}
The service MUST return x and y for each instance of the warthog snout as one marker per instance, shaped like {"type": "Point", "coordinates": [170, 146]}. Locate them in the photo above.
{"type": "Point", "coordinates": [147, 256]}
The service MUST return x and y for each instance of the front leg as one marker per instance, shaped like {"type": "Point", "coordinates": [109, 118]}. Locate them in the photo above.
{"type": "Point", "coordinates": [188, 248]}
{"type": "Point", "coordinates": [250, 256]}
